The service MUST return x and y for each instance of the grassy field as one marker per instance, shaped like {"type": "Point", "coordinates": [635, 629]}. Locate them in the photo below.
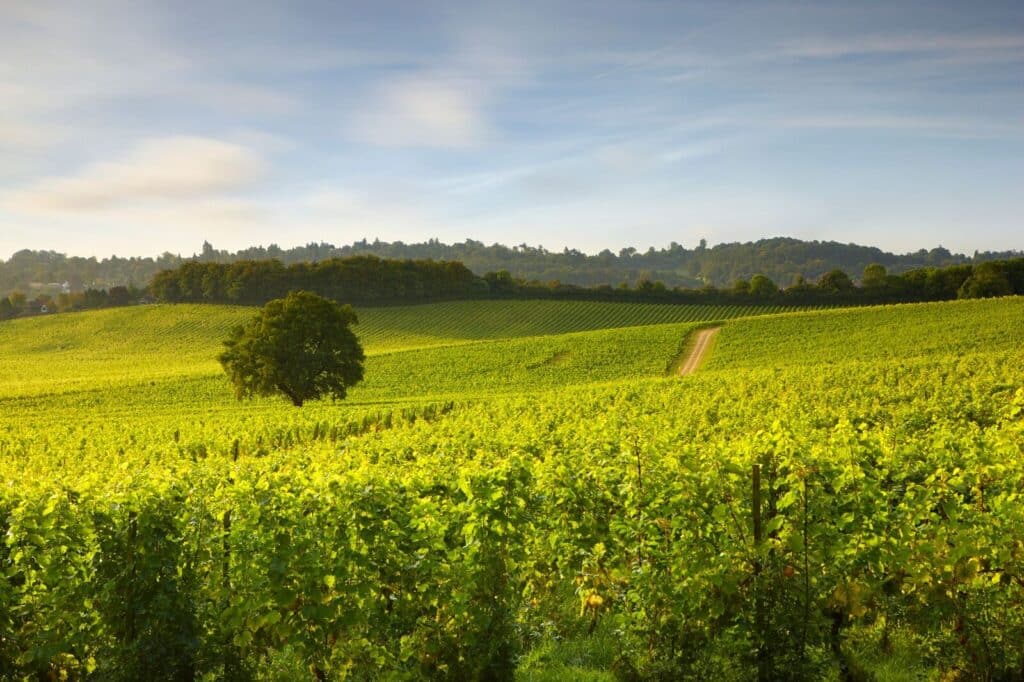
{"type": "Point", "coordinates": [549, 501]}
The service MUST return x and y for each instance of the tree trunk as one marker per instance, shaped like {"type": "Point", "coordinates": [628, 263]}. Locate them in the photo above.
{"type": "Point", "coordinates": [296, 400]}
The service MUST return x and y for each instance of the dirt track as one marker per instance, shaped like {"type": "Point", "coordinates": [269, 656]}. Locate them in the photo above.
{"type": "Point", "coordinates": [700, 348]}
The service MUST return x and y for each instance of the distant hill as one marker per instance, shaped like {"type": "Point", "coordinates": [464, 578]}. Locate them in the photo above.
{"type": "Point", "coordinates": [782, 259]}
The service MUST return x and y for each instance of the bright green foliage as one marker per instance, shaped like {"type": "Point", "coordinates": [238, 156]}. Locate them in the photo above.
{"type": "Point", "coordinates": [446, 538]}
{"type": "Point", "coordinates": [877, 335]}
{"type": "Point", "coordinates": [456, 372]}
{"type": "Point", "coordinates": [300, 345]}
{"type": "Point", "coordinates": [526, 364]}
{"type": "Point", "coordinates": [84, 351]}
{"type": "Point", "coordinates": [112, 348]}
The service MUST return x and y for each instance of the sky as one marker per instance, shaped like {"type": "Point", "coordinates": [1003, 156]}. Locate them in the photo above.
{"type": "Point", "coordinates": [142, 127]}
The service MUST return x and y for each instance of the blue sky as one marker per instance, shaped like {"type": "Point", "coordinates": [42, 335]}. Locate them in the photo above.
{"type": "Point", "coordinates": [142, 127]}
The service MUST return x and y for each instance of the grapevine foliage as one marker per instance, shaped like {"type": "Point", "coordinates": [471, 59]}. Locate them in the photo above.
{"type": "Point", "coordinates": [449, 537]}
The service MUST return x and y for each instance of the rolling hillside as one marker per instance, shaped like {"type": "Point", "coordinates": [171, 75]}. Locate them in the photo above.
{"type": "Point", "coordinates": [143, 343]}
{"type": "Point", "coordinates": [877, 334]}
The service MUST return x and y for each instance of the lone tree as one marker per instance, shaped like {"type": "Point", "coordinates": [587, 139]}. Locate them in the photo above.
{"type": "Point", "coordinates": [301, 345]}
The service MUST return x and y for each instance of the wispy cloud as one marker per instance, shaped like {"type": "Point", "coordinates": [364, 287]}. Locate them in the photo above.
{"type": "Point", "coordinates": [903, 44]}
{"type": "Point", "coordinates": [161, 169]}
{"type": "Point", "coordinates": [426, 111]}
{"type": "Point", "coordinates": [497, 120]}
{"type": "Point", "coordinates": [906, 124]}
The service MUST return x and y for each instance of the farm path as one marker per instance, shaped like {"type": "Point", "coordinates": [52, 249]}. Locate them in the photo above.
{"type": "Point", "coordinates": [700, 349]}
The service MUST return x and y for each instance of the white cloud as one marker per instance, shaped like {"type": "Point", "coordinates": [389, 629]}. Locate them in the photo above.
{"type": "Point", "coordinates": [159, 169]}
{"type": "Point", "coordinates": [422, 112]}
{"type": "Point", "coordinates": [145, 229]}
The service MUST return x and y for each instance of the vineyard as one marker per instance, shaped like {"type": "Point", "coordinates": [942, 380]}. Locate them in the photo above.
{"type": "Point", "coordinates": [44, 355]}
{"type": "Point", "coordinates": [521, 490]}
{"type": "Point", "coordinates": [878, 335]}
{"type": "Point", "coordinates": [502, 319]}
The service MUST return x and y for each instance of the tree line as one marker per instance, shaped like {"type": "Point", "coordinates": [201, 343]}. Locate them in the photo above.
{"type": "Point", "coordinates": [18, 304]}
{"type": "Point", "coordinates": [780, 259]}
{"type": "Point", "coordinates": [836, 287]}
{"type": "Point", "coordinates": [368, 280]}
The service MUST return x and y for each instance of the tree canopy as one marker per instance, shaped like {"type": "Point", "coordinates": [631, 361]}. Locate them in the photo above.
{"type": "Point", "coordinates": [301, 346]}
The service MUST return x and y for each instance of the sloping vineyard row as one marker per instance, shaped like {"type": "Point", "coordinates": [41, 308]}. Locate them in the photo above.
{"type": "Point", "coordinates": [879, 334]}
{"type": "Point", "coordinates": [503, 319]}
